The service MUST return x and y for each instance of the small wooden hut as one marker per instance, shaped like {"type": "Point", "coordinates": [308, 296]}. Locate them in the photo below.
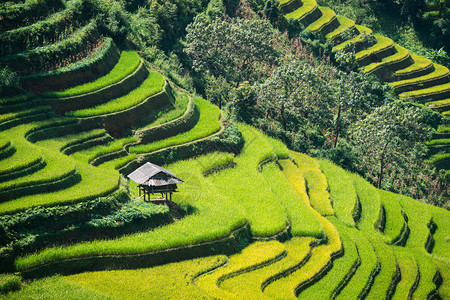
{"type": "Point", "coordinates": [153, 179]}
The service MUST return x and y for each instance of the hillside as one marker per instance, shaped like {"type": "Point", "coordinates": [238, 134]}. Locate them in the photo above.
{"type": "Point", "coordinates": [255, 220]}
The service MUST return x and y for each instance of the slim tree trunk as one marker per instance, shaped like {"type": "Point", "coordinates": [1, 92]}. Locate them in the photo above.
{"type": "Point", "coordinates": [380, 176]}
{"type": "Point", "coordinates": [283, 118]}
{"type": "Point", "coordinates": [336, 130]}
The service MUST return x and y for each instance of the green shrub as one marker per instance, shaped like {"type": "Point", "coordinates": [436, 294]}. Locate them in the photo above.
{"type": "Point", "coordinates": [9, 283]}
{"type": "Point", "coordinates": [39, 58]}
{"type": "Point", "coordinates": [151, 86]}
{"type": "Point", "coordinates": [27, 12]}
{"type": "Point", "coordinates": [47, 31]}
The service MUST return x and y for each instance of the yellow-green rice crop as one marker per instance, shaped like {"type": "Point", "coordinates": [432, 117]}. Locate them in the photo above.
{"type": "Point", "coordinates": [342, 266]}
{"type": "Point", "coordinates": [441, 218]}
{"type": "Point", "coordinates": [427, 92]}
{"type": "Point", "coordinates": [444, 269]}
{"type": "Point", "coordinates": [128, 62]}
{"type": "Point", "coordinates": [321, 258]}
{"type": "Point", "coordinates": [253, 256]}
{"type": "Point", "coordinates": [206, 125]}
{"type": "Point", "coordinates": [360, 280]}
{"type": "Point", "coordinates": [249, 285]}
{"type": "Point", "coordinates": [307, 7]}
{"type": "Point", "coordinates": [364, 31]}
{"type": "Point", "coordinates": [56, 168]}
{"type": "Point", "coordinates": [420, 63]}
{"type": "Point", "coordinates": [54, 288]}
{"type": "Point", "coordinates": [23, 113]}
{"type": "Point", "coordinates": [171, 112]}
{"type": "Point", "coordinates": [388, 268]}
{"type": "Point", "coordinates": [427, 270]}
{"type": "Point", "coordinates": [369, 198]}
{"type": "Point", "coordinates": [409, 271]}
{"type": "Point", "coordinates": [61, 142]}
{"type": "Point", "coordinates": [21, 159]}
{"type": "Point", "coordinates": [342, 192]}
{"type": "Point", "coordinates": [328, 15]}
{"type": "Point", "coordinates": [345, 23]}
{"type": "Point", "coordinates": [402, 54]}
{"type": "Point", "coordinates": [303, 221]}
{"type": "Point", "coordinates": [394, 219]}
{"type": "Point", "coordinates": [97, 151]}
{"type": "Point", "coordinates": [439, 71]}
{"type": "Point", "coordinates": [151, 86]}
{"type": "Point", "coordinates": [439, 103]}
{"type": "Point", "coordinates": [171, 280]}
{"type": "Point", "coordinates": [94, 183]}
{"type": "Point", "coordinates": [382, 44]}
{"type": "Point", "coordinates": [316, 182]}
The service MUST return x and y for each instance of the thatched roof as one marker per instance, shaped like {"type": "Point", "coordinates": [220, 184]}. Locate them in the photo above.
{"type": "Point", "coordinates": [153, 175]}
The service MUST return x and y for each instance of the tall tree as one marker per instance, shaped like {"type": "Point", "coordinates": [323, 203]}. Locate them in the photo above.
{"type": "Point", "coordinates": [391, 132]}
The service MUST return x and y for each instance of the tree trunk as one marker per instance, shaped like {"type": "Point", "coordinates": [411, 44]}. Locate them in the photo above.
{"type": "Point", "coordinates": [336, 130]}
{"type": "Point", "coordinates": [380, 176]}
{"type": "Point", "coordinates": [283, 118]}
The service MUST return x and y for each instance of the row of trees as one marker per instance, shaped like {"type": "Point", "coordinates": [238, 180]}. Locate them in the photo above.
{"type": "Point", "coordinates": [270, 80]}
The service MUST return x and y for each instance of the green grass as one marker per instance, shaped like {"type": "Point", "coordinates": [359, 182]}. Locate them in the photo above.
{"type": "Point", "coordinates": [382, 44]}
{"type": "Point", "coordinates": [345, 23]}
{"type": "Point", "coordinates": [206, 125]}
{"type": "Point", "coordinates": [342, 192]}
{"type": "Point", "coordinates": [171, 112]}
{"type": "Point", "coordinates": [439, 72]}
{"type": "Point", "coordinates": [177, 279]}
{"type": "Point", "coordinates": [342, 266]}
{"type": "Point", "coordinates": [444, 128]}
{"type": "Point", "coordinates": [127, 64]}
{"type": "Point", "coordinates": [409, 271]}
{"type": "Point", "coordinates": [316, 182]}
{"type": "Point", "coordinates": [151, 86]}
{"type": "Point", "coordinates": [22, 98]}
{"type": "Point", "coordinates": [249, 285]}
{"type": "Point", "coordinates": [307, 7]}
{"type": "Point", "coordinates": [327, 17]}
{"type": "Point", "coordinates": [359, 38]}
{"type": "Point", "coordinates": [402, 54]}
{"type": "Point", "coordinates": [437, 89]}
{"type": "Point", "coordinates": [420, 63]}
{"type": "Point", "coordinates": [256, 254]}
